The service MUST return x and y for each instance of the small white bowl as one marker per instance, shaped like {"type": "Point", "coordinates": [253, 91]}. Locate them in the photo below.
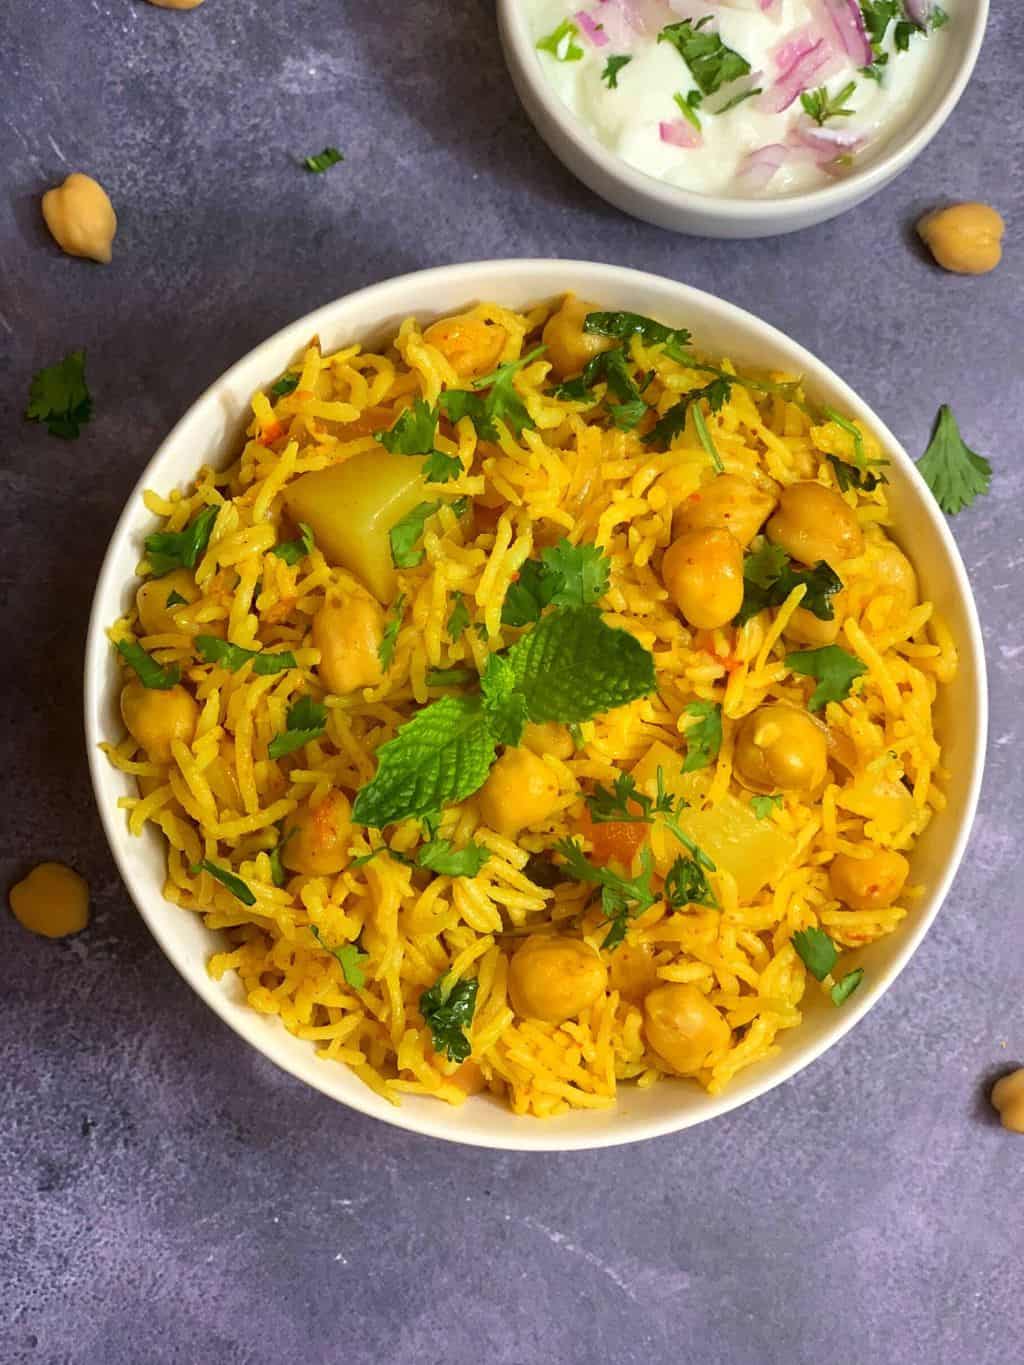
{"type": "Point", "coordinates": [680, 210]}
{"type": "Point", "coordinates": [208, 433]}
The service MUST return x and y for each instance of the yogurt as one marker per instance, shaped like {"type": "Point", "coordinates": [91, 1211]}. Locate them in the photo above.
{"type": "Point", "coordinates": [658, 109]}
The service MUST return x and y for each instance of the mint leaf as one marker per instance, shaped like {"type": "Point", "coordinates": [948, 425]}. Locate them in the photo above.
{"type": "Point", "coordinates": [405, 536]}
{"type": "Point", "coordinates": [762, 806]}
{"type": "Point", "coordinates": [441, 856]}
{"type": "Point", "coordinates": [506, 708]}
{"type": "Point", "coordinates": [306, 721]}
{"type": "Point", "coordinates": [59, 397]}
{"type": "Point", "coordinates": [843, 989]}
{"type": "Point", "coordinates": [447, 1009]}
{"type": "Point", "coordinates": [951, 469]}
{"type": "Point", "coordinates": [704, 737]}
{"type": "Point", "coordinates": [440, 756]}
{"type": "Point", "coordinates": [560, 43]}
{"type": "Point", "coordinates": [572, 666]}
{"type": "Point", "coordinates": [449, 677]}
{"type": "Point", "coordinates": [349, 957]}
{"type": "Point", "coordinates": [215, 651]}
{"type": "Point", "coordinates": [147, 670]}
{"type": "Point", "coordinates": [234, 884]}
{"type": "Point", "coordinates": [834, 668]}
{"type": "Point", "coordinates": [686, 883]}
{"type": "Point", "coordinates": [612, 67]}
{"type": "Point", "coordinates": [291, 551]}
{"type": "Point", "coordinates": [459, 618]}
{"type": "Point", "coordinates": [816, 950]}
{"type": "Point", "coordinates": [322, 161]}
{"type": "Point", "coordinates": [288, 383]}
{"type": "Point", "coordinates": [711, 63]}
{"type": "Point", "coordinates": [167, 550]}
{"type": "Point", "coordinates": [386, 648]}
{"type": "Point", "coordinates": [769, 576]}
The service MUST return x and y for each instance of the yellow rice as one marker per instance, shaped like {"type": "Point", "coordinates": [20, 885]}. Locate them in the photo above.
{"type": "Point", "coordinates": [222, 798]}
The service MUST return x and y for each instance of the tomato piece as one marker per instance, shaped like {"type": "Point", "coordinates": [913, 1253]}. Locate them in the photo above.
{"type": "Point", "coordinates": [613, 840]}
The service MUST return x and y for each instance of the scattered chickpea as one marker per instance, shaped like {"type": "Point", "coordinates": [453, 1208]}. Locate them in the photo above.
{"type": "Point", "coordinates": [569, 346]}
{"type": "Point", "coordinates": [155, 616]}
{"type": "Point", "coordinates": [348, 637]}
{"type": "Point", "coordinates": [632, 971]}
{"type": "Point", "coordinates": [81, 218]}
{"type": "Point", "coordinates": [729, 502]}
{"type": "Point", "coordinates": [521, 790]}
{"type": "Point", "coordinates": [868, 883]}
{"type": "Point", "coordinates": [683, 1027]}
{"type": "Point", "coordinates": [52, 900]}
{"type": "Point", "coordinates": [155, 718]}
{"type": "Point", "coordinates": [964, 238]}
{"type": "Point", "coordinates": [471, 345]}
{"type": "Point", "coordinates": [176, 4]}
{"type": "Point", "coordinates": [316, 837]}
{"type": "Point", "coordinates": [779, 748]}
{"type": "Point", "coordinates": [703, 572]}
{"type": "Point", "coordinates": [1008, 1100]}
{"type": "Point", "coordinates": [814, 523]}
{"type": "Point", "coordinates": [804, 628]}
{"type": "Point", "coordinates": [555, 978]}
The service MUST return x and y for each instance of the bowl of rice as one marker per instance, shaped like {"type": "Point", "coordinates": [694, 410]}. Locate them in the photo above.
{"type": "Point", "coordinates": [536, 703]}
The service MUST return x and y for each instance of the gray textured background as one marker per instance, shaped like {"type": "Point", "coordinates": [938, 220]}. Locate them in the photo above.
{"type": "Point", "coordinates": [166, 1194]}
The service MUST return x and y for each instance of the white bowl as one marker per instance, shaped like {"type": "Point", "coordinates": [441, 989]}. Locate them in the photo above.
{"type": "Point", "coordinates": [208, 434]}
{"type": "Point", "coordinates": [717, 215]}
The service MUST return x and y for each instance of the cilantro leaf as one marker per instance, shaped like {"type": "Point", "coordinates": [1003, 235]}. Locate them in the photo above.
{"type": "Point", "coordinates": [686, 883]}
{"type": "Point", "coordinates": [605, 804]}
{"type": "Point", "coordinates": [816, 950]}
{"type": "Point", "coordinates": [503, 402]}
{"type": "Point", "coordinates": [851, 429]}
{"type": "Point", "coordinates": [215, 651]}
{"type": "Point", "coordinates": [560, 43]}
{"type": "Point", "coordinates": [288, 383]}
{"type": "Point", "coordinates": [440, 756]}
{"type": "Point", "coordinates": [704, 737]}
{"type": "Point", "coordinates": [762, 806]}
{"type": "Point", "coordinates": [527, 597]}
{"type": "Point", "coordinates": [459, 403]}
{"type": "Point", "coordinates": [447, 1009]}
{"type": "Point", "coordinates": [711, 63]}
{"type": "Point", "coordinates": [405, 536]}
{"type": "Point", "coordinates": [671, 423]}
{"type": "Point", "coordinates": [441, 856]}
{"type": "Point", "coordinates": [955, 473]}
{"type": "Point", "coordinates": [350, 958]}
{"type": "Point", "coordinates": [459, 618]}
{"type": "Point", "coordinates": [821, 106]}
{"type": "Point", "coordinates": [622, 898]}
{"type": "Point", "coordinates": [852, 476]}
{"type": "Point", "coordinates": [147, 670]}
{"type": "Point", "coordinates": [769, 577]}
{"type": "Point", "coordinates": [234, 884]}
{"type": "Point", "coordinates": [573, 666]}
{"type": "Point", "coordinates": [386, 648]}
{"type": "Point", "coordinates": [843, 989]}
{"type": "Point", "coordinates": [322, 161]}
{"type": "Point", "coordinates": [834, 668]}
{"type": "Point", "coordinates": [291, 551]}
{"type": "Point", "coordinates": [441, 468]}
{"type": "Point", "coordinates": [59, 396]}
{"type": "Point", "coordinates": [167, 550]}
{"type": "Point", "coordinates": [612, 67]}
{"type": "Point", "coordinates": [175, 599]}
{"type": "Point", "coordinates": [413, 433]}
{"type": "Point", "coordinates": [622, 326]}
{"type": "Point", "coordinates": [306, 721]}
{"type": "Point", "coordinates": [581, 571]}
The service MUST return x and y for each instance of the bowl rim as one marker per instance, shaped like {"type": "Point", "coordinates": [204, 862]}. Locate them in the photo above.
{"type": "Point", "coordinates": [827, 200]}
{"type": "Point", "coordinates": [523, 1134]}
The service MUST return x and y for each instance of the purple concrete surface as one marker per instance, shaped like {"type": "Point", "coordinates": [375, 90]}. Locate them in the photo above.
{"type": "Point", "coordinates": [166, 1194]}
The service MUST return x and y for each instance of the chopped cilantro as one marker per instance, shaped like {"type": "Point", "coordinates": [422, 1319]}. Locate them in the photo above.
{"type": "Point", "coordinates": [386, 648]}
{"type": "Point", "coordinates": [950, 468]}
{"type": "Point", "coordinates": [349, 957]}
{"type": "Point", "coordinates": [769, 577]}
{"type": "Point", "coordinates": [704, 736]}
{"type": "Point", "coordinates": [175, 599]}
{"type": "Point", "coordinates": [306, 721]}
{"type": "Point", "coordinates": [762, 806]}
{"type": "Point", "coordinates": [149, 673]}
{"type": "Point", "coordinates": [278, 873]}
{"type": "Point", "coordinates": [441, 856]}
{"type": "Point", "coordinates": [622, 898]}
{"type": "Point", "coordinates": [167, 550]}
{"type": "Point", "coordinates": [502, 402]}
{"type": "Point", "coordinates": [834, 669]}
{"type": "Point", "coordinates": [405, 535]}
{"type": "Point", "coordinates": [234, 884]}
{"type": "Point", "coordinates": [566, 575]}
{"type": "Point", "coordinates": [711, 63]}
{"type": "Point", "coordinates": [322, 161]}
{"type": "Point", "coordinates": [560, 43]}
{"type": "Point", "coordinates": [852, 430]}
{"type": "Point", "coordinates": [733, 101]}
{"type": "Point", "coordinates": [688, 105]}
{"type": "Point", "coordinates": [622, 326]}
{"type": "Point", "coordinates": [215, 651]}
{"type": "Point", "coordinates": [821, 106]}
{"type": "Point", "coordinates": [816, 950]}
{"type": "Point", "coordinates": [414, 431]}
{"type": "Point", "coordinates": [288, 383]}
{"type": "Point", "coordinates": [686, 883]}
{"type": "Point", "coordinates": [671, 423]}
{"type": "Point", "coordinates": [843, 989]}
{"type": "Point", "coordinates": [447, 1009]}
{"type": "Point", "coordinates": [441, 468]}
{"type": "Point", "coordinates": [459, 618]}
{"type": "Point", "coordinates": [291, 551]}
{"type": "Point", "coordinates": [612, 67]}
{"type": "Point", "coordinates": [612, 367]}
{"type": "Point", "coordinates": [59, 396]}
{"type": "Point", "coordinates": [614, 803]}
{"type": "Point", "coordinates": [852, 476]}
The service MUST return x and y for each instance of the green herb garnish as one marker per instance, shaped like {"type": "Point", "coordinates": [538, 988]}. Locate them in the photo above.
{"type": "Point", "coordinates": [851, 430]}
{"type": "Point", "coordinates": [711, 63]}
{"type": "Point", "coordinates": [169, 550]}
{"type": "Point", "coordinates": [816, 950]}
{"type": "Point", "coordinates": [688, 105]}
{"type": "Point", "coordinates": [349, 957]}
{"type": "Point", "coordinates": [834, 668]}
{"type": "Point", "coordinates": [605, 804]}
{"type": "Point", "coordinates": [612, 67]}
{"type": "Point", "coordinates": [447, 1009]}
{"type": "Point", "coordinates": [175, 599]}
{"type": "Point", "coordinates": [950, 468]}
{"type": "Point", "coordinates": [306, 721]}
{"type": "Point", "coordinates": [59, 397]}
{"type": "Point", "coordinates": [215, 651]}
{"type": "Point", "coordinates": [622, 326]}
{"type": "Point", "coordinates": [843, 989]}
{"type": "Point", "coordinates": [686, 883]}
{"type": "Point", "coordinates": [405, 535]}
{"type": "Point", "coordinates": [769, 576]}
{"type": "Point", "coordinates": [622, 898]}
{"type": "Point", "coordinates": [672, 423]}
{"type": "Point", "coordinates": [149, 673]}
{"type": "Point", "coordinates": [762, 806]}
{"type": "Point", "coordinates": [459, 618]}
{"type": "Point", "coordinates": [291, 551]}
{"type": "Point", "coordinates": [322, 161]}
{"type": "Point", "coordinates": [852, 476]}
{"type": "Point", "coordinates": [502, 403]}
{"type": "Point", "coordinates": [234, 884]}
{"type": "Point", "coordinates": [288, 383]}
{"type": "Point", "coordinates": [565, 576]}
{"type": "Point", "coordinates": [414, 433]}
{"type": "Point", "coordinates": [449, 677]}
{"type": "Point", "coordinates": [704, 737]}
{"type": "Point", "coordinates": [821, 106]}
{"type": "Point", "coordinates": [386, 648]}
{"type": "Point", "coordinates": [441, 856]}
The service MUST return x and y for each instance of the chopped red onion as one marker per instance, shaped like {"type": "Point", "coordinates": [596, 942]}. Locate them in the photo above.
{"type": "Point", "coordinates": [826, 142]}
{"type": "Point", "coordinates": [593, 31]}
{"type": "Point", "coordinates": [757, 169]}
{"type": "Point", "coordinates": [679, 133]}
{"type": "Point", "coordinates": [918, 11]}
{"type": "Point", "coordinates": [842, 23]}
{"type": "Point", "coordinates": [802, 60]}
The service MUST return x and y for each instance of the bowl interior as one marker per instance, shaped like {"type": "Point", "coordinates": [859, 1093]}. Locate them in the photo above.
{"type": "Point", "coordinates": [208, 433]}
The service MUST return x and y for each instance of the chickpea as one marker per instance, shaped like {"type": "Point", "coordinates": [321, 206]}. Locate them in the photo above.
{"type": "Point", "coordinates": [729, 502]}
{"type": "Point", "coordinates": [631, 971]}
{"type": "Point", "coordinates": [176, 4]}
{"type": "Point", "coordinates": [1008, 1100]}
{"type": "Point", "coordinates": [813, 523]}
{"type": "Point", "coordinates": [155, 616]}
{"type": "Point", "coordinates": [779, 748]}
{"type": "Point", "coordinates": [555, 978]}
{"type": "Point", "coordinates": [804, 628]}
{"type": "Point", "coordinates": [521, 790]}
{"type": "Point", "coordinates": [154, 718]}
{"type": "Point", "coordinates": [468, 1077]}
{"type": "Point", "coordinates": [684, 1028]}
{"type": "Point", "coordinates": [52, 900]}
{"type": "Point", "coordinates": [316, 838]}
{"type": "Point", "coordinates": [472, 346]}
{"type": "Point", "coordinates": [569, 346]}
{"type": "Point", "coordinates": [964, 238]}
{"type": "Point", "coordinates": [81, 218]}
{"type": "Point", "coordinates": [549, 738]}
{"type": "Point", "coordinates": [348, 636]}
{"type": "Point", "coordinates": [703, 572]}
{"type": "Point", "coordinates": [868, 883]}
{"type": "Point", "coordinates": [893, 574]}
